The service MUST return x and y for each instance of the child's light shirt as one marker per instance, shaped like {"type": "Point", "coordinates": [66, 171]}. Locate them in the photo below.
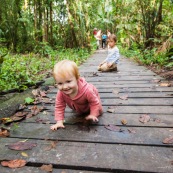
{"type": "Point", "coordinates": [86, 101]}
{"type": "Point", "coordinates": [113, 55]}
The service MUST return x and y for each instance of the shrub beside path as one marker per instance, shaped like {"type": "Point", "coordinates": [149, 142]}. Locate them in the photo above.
{"type": "Point", "coordinates": [133, 135]}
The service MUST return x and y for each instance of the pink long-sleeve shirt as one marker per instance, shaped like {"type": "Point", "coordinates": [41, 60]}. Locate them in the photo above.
{"type": "Point", "coordinates": [86, 101]}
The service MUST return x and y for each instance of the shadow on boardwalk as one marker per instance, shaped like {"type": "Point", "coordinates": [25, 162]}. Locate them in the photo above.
{"type": "Point", "coordinates": [131, 92]}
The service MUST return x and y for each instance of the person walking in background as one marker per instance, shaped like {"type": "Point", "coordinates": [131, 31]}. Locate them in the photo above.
{"type": "Point", "coordinates": [112, 59]}
{"type": "Point", "coordinates": [99, 38]}
{"type": "Point", "coordinates": [75, 92]}
{"type": "Point", "coordinates": [95, 32]}
{"type": "Point", "coordinates": [104, 38]}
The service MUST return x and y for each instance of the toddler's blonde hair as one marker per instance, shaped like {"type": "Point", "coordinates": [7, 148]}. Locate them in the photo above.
{"type": "Point", "coordinates": [64, 68]}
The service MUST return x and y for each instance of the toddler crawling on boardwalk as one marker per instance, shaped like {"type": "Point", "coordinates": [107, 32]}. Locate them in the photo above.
{"type": "Point", "coordinates": [75, 92]}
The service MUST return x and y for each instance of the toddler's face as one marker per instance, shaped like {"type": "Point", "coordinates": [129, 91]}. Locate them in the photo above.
{"type": "Point", "coordinates": [111, 43]}
{"type": "Point", "coordinates": [68, 85]}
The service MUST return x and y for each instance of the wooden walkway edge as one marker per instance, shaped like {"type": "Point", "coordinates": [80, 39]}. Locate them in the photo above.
{"type": "Point", "coordinates": [126, 95]}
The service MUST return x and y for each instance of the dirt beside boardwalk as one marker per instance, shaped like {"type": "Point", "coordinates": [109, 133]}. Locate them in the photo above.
{"type": "Point", "coordinates": [9, 103]}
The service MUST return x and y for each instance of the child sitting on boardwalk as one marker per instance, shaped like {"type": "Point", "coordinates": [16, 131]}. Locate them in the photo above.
{"type": "Point", "coordinates": [110, 63]}
{"type": "Point", "coordinates": [75, 92]}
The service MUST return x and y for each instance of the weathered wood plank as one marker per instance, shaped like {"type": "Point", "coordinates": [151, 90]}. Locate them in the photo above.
{"type": "Point", "coordinates": [132, 109]}
{"type": "Point", "coordinates": [95, 157]}
{"type": "Point", "coordinates": [111, 85]}
{"type": "Point", "coordinates": [154, 95]}
{"type": "Point", "coordinates": [122, 77]}
{"type": "Point", "coordinates": [111, 100]}
{"type": "Point", "coordinates": [156, 120]}
{"type": "Point", "coordinates": [155, 136]}
{"type": "Point", "coordinates": [37, 169]}
{"type": "Point", "coordinates": [130, 79]}
{"type": "Point", "coordinates": [130, 90]}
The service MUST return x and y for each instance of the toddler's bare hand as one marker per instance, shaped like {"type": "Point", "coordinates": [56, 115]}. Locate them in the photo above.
{"type": "Point", "coordinates": [57, 126]}
{"type": "Point", "coordinates": [92, 117]}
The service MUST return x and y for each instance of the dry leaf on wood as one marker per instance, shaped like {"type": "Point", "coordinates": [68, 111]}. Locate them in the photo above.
{"type": "Point", "coordinates": [124, 122]}
{"type": "Point", "coordinates": [47, 168]}
{"type": "Point", "coordinates": [4, 132]}
{"type": "Point", "coordinates": [35, 92]}
{"type": "Point", "coordinates": [157, 120]}
{"type": "Point", "coordinates": [144, 118]}
{"type": "Point", "coordinates": [24, 154]}
{"type": "Point", "coordinates": [113, 128]}
{"type": "Point", "coordinates": [43, 94]}
{"type": "Point", "coordinates": [22, 146]}
{"type": "Point", "coordinates": [111, 109]}
{"type": "Point", "coordinates": [18, 163]}
{"type": "Point", "coordinates": [124, 97]}
{"type": "Point", "coordinates": [168, 140]}
{"type": "Point", "coordinates": [115, 91]}
{"type": "Point", "coordinates": [165, 84]}
{"type": "Point", "coordinates": [52, 145]}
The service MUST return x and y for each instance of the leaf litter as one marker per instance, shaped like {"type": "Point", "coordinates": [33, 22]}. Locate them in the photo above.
{"type": "Point", "coordinates": [168, 140]}
{"type": "Point", "coordinates": [17, 163]}
{"type": "Point", "coordinates": [124, 97]}
{"type": "Point", "coordinates": [111, 109]}
{"type": "Point", "coordinates": [47, 168]}
{"type": "Point", "coordinates": [144, 118]}
{"type": "Point", "coordinates": [114, 128]}
{"type": "Point", "coordinates": [20, 146]}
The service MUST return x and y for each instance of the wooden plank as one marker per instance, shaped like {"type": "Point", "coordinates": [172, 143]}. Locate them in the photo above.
{"type": "Point", "coordinates": [138, 101]}
{"type": "Point", "coordinates": [157, 120]}
{"type": "Point", "coordinates": [118, 76]}
{"type": "Point", "coordinates": [155, 136]}
{"type": "Point", "coordinates": [37, 169]}
{"type": "Point", "coordinates": [132, 109]}
{"type": "Point", "coordinates": [131, 101]}
{"type": "Point", "coordinates": [118, 73]}
{"type": "Point", "coordinates": [130, 90]}
{"type": "Point", "coordinates": [124, 78]}
{"type": "Point", "coordinates": [111, 85]}
{"type": "Point", "coordinates": [110, 94]}
{"type": "Point", "coordinates": [93, 157]}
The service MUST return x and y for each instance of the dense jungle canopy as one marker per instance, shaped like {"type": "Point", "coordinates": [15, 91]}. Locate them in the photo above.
{"type": "Point", "coordinates": [37, 31]}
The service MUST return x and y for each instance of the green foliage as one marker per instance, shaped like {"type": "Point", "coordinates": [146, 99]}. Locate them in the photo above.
{"type": "Point", "coordinates": [29, 100]}
{"type": "Point", "coordinates": [147, 57]}
{"type": "Point", "coordinates": [20, 71]}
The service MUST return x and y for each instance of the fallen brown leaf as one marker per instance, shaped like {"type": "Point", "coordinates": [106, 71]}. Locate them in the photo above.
{"type": "Point", "coordinates": [43, 94]}
{"type": "Point", "coordinates": [124, 97]}
{"type": "Point", "coordinates": [115, 91]}
{"type": "Point", "coordinates": [124, 122]}
{"type": "Point", "coordinates": [144, 118]}
{"type": "Point", "coordinates": [165, 84]}
{"type": "Point", "coordinates": [168, 140]}
{"type": "Point", "coordinates": [22, 146]}
{"type": "Point", "coordinates": [4, 132]}
{"type": "Point", "coordinates": [113, 128]}
{"type": "Point", "coordinates": [18, 163]}
{"type": "Point", "coordinates": [52, 145]}
{"type": "Point", "coordinates": [47, 168]}
{"type": "Point", "coordinates": [111, 109]}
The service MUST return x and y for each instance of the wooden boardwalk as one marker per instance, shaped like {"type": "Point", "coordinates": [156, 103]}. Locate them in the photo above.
{"type": "Point", "coordinates": [132, 92]}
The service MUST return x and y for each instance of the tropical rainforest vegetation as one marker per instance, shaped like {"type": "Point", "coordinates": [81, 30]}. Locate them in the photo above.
{"type": "Point", "coordinates": [34, 34]}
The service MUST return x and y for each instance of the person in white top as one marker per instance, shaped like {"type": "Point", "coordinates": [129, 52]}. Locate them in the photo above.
{"type": "Point", "coordinates": [112, 59]}
{"type": "Point", "coordinates": [98, 37]}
